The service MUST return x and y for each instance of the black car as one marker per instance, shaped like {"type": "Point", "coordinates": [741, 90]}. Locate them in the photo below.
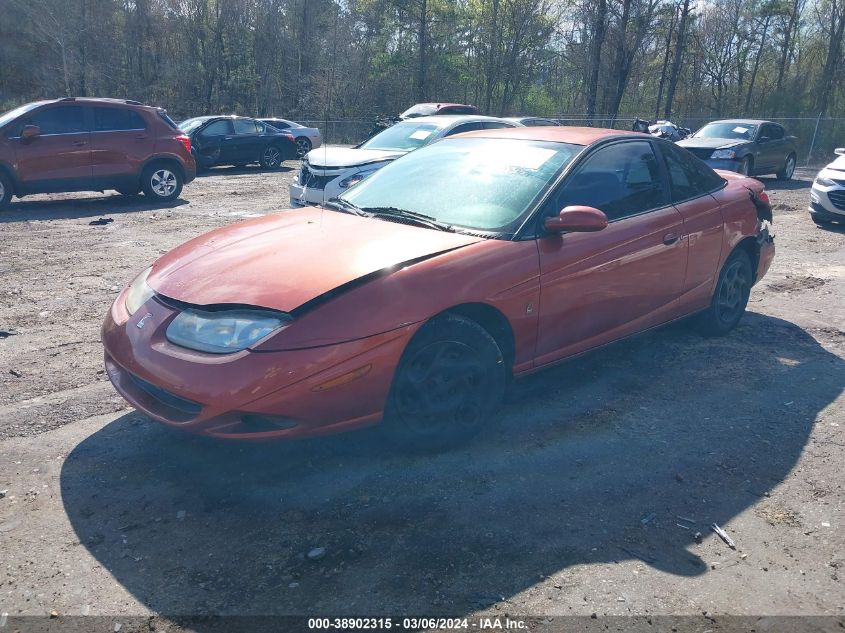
{"type": "Point", "coordinates": [748, 146]}
{"type": "Point", "coordinates": [236, 140]}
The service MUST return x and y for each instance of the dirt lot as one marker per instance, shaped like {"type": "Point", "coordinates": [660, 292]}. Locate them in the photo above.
{"type": "Point", "coordinates": [568, 505]}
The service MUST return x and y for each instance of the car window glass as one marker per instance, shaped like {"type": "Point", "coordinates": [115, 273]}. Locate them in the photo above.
{"type": "Point", "coordinates": [405, 136]}
{"type": "Point", "coordinates": [464, 127]}
{"type": "Point", "coordinates": [689, 177]}
{"type": "Point", "coordinates": [622, 179]}
{"type": "Point", "coordinates": [280, 125]}
{"type": "Point", "coordinates": [60, 120]}
{"type": "Point", "coordinates": [260, 127]}
{"type": "Point", "coordinates": [775, 132]}
{"type": "Point", "coordinates": [494, 125]}
{"type": "Point", "coordinates": [218, 128]}
{"type": "Point", "coordinates": [116, 119]}
{"type": "Point", "coordinates": [245, 126]}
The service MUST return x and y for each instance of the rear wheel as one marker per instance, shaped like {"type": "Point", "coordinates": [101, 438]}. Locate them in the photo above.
{"type": "Point", "coordinates": [272, 157]}
{"type": "Point", "coordinates": [303, 146]}
{"type": "Point", "coordinates": [730, 297]}
{"type": "Point", "coordinates": [5, 191]}
{"type": "Point", "coordinates": [788, 168]}
{"type": "Point", "coordinates": [162, 182]}
{"type": "Point", "coordinates": [449, 382]}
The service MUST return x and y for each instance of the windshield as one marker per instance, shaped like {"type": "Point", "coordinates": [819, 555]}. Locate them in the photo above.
{"type": "Point", "coordinates": [11, 115]}
{"type": "Point", "coordinates": [190, 125]}
{"type": "Point", "coordinates": [403, 137]}
{"type": "Point", "coordinates": [421, 109]}
{"type": "Point", "coordinates": [733, 130]}
{"type": "Point", "coordinates": [479, 183]}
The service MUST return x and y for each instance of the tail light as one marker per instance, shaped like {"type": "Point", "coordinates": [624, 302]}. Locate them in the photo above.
{"type": "Point", "coordinates": [288, 136]}
{"type": "Point", "coordinates": [764, 197]}
{"type": "Point", "coordinates": [186, 141]}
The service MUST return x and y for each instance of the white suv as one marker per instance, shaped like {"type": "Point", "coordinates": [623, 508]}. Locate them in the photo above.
{"type": "Point", "coordinates": [327, 172]}
{"type": "Point", "coordinates": [827, 197]}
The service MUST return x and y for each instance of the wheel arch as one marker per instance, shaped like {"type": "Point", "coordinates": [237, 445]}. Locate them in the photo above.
{"type": "Point", "coordinates": [10, 174]}
{"type": "Point", "coordinates": [163, 159]}
{"type": "Point", "coordinates": [752, 248]}
{"type": "Point", "coordinates": [492, 320]}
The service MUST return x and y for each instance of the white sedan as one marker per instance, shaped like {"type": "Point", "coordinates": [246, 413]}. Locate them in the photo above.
{"type": "Point", "coordinates": [307, 138]}
{"type": "Point", "coordinates": [827, 197]}
{"type": "Point", "coordinates": [328, 172]}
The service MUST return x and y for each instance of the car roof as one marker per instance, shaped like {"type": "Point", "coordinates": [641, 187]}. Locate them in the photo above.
{"type": "Point", "coordinates": [562, 134]}
{"type": "Point", "coordinates": [743, 121]}
{"type": "Point", "coordinates": [445, 120]}
{"type": "Point", "coordinates": [520, 119]}
{"type": "Point", "coordinates": [104, 100]}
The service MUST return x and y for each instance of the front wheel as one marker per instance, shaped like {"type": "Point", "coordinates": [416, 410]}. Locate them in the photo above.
{"type": "Point", "coordinates": [5, 191]}
{"type": "Point", "coordinates": [788, 168]}
{"type": "Point", "coordinates": [272, 157]}
{"type": "Point", "coordinates": [745, 166]}
{"type": "Point", "coordinates": [162, 183]}
{"type": "Point", "coordinates": [730, 297]}
{"type": "Point", "coordinates": [447, 385]}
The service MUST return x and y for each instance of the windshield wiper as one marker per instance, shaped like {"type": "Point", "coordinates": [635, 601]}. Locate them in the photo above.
{"type": "Point", "coordinates": [419, 218]}
{"type": "Point", "coordinates": [344, 205]}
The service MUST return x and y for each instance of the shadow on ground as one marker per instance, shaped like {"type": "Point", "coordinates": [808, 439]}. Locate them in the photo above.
{"type": "Point", "coordinates": [107, 204]}
{"type": "Point", "coordinates": [237, 170]}
{"type": "Point", "coordinates": [669, 423]}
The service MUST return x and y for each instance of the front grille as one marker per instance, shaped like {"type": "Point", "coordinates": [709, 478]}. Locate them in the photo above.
{"type": "Point", "coordinates": [837, 198]}
{"type": "Point", "coordinates": [189, 408]}
{"type": "Point", "coordinates": [701, 153]}
{"type": "Point", "coordinates": [311, 180]}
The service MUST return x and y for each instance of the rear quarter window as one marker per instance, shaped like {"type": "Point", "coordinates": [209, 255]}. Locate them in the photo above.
{"type": "Point", "coordinates": [117, 120]}
{"type": "Point", "coordinates": [689, 177]}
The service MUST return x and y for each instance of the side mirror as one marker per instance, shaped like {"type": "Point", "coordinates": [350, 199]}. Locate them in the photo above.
{"type": "Point", "coordinates": [578, 219]}
{"type": "Point", "coordinates": [840, 151]}
{"type": "Point", "coordinates": [30, 131]}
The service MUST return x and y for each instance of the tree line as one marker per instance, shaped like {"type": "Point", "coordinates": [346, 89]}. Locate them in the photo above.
{"type": "Point", "coordinates": [353, 59]}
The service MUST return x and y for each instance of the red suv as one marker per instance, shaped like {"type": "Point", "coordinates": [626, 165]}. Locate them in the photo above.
{"type": "Point", "coordinates": [78, 144]}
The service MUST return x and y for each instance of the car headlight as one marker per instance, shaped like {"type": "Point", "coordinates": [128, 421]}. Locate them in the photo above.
{"type": "Point", "coordinates": [723, 153]}
{"type": "Point", "coordinates": [224, 331]}
{"type": "Point", "coordinates": [138, 292]}
{"type": "Point", "coordinates": [824, 182]}
{"type": "Point", "coordinates": [354, 179]}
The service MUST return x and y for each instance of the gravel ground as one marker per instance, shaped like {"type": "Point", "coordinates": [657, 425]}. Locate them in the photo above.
{"type": "Point", "coordinates": [570, 504]}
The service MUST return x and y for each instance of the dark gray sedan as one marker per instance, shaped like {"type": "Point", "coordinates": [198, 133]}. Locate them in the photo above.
{"type": "Point", "coordinates": [748, 146]}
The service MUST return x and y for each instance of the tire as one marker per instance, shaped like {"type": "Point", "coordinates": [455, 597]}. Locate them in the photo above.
{"type": "Point", "coordinates": [5, 191]}
{"type": "Point", "coordinates": [730, 297]}
{"type": "Point", "coordinates": [303, 146]}
{"type": "Point", "coordinates": [788, 168]}
{"type": "Point", "coordinates": [162, 182]}
{"type": "Point", "coordinates": [272, 157]}
{"type": "Point", "coordinates": [449, 382]}
{"type": "Point", "coordinates": [745, 166]}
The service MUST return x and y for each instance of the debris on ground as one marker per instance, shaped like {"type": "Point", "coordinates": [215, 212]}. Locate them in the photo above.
{"type": "Point", "coordinates": [724, 536]}
{"type": "Point", "coordinates": [317, 553]}
{"type": "Point", "coordinates": [648, 518]}
{"type": "Point", "coordinates": [101, 222]}
{"type": "Point", "coordinates": [698, 537]}
{"type": "Point", "coordinates": [16, 373]}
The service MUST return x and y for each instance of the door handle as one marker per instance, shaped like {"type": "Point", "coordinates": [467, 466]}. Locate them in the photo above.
{"type": "Point", "coordinates": [670, 238]}
{"type": "Point", "coordinates": [140, 137]}
{"type": "Point", "coordinates": [79, 143]}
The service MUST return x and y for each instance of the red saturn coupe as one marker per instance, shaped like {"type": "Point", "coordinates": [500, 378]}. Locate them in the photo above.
{"type": "Point", "coordinates": [415, 296]}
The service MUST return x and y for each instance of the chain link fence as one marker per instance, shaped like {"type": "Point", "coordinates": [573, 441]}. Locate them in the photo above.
{"type": "Point", "coordinates": [816, 137]}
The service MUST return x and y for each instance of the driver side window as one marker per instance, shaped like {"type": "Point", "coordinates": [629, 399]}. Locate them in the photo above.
{"type": "Point", "coordinates": [622, 180]}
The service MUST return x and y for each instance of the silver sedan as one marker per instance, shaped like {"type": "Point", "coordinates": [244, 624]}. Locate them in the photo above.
{"type": "Point", "coordinates": [307, 138]}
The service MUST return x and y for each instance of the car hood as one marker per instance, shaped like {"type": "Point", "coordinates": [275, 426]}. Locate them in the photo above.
{"type": "Point", "coordinates": [710, 143]}
{"type": "Point", "coordinates": [285, 260]}
{"type": "Point", "coordinates": [329, 157]}
{"type": "Point", "coordinates": [838, 164]}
